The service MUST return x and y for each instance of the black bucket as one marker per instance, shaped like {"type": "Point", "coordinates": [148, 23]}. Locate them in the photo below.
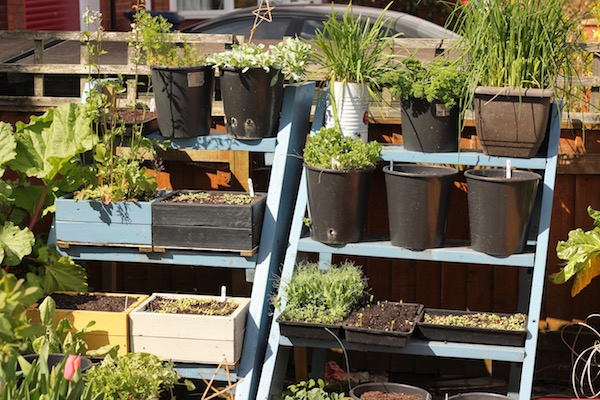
{"type": "Point", "coordinates": [429, 127]}
{"type": "Point", "coordinates": [252, 102]}
{"type": "Point", "coordinates": [500, 209]}
{"type": "Point", "coordinates": [418, 200]}
{"type": "Point", "coordinates": [183, 100]}
{"type": "Point", "coordinates": [389, 387]}
{"type": "Point", "coordinates": [337, 204]}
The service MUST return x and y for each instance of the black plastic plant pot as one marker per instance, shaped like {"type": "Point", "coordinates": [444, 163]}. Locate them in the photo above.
{"type": "Point", "coordinates": [479, 396]}
{"type": "Point", "coordinates": [389, 387]}
{"type": "Point", "coordinates": [252, 102]}
{"type": "Point", "coordinates": [429, 127]}
{"type": "Point", "coordinates": [183, 100]}
{"type": "Point", "coordinates": [418, 201]}
{"type": "Point", "coordinates": [307, 330]}
{"type": "Point", "coordinates": [500, 209]}
{"type": "Point", "coordinates": [337, 204]}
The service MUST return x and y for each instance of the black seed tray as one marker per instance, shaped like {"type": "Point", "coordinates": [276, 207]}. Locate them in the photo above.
{"type": "Point", "coordinates": [305, 330]}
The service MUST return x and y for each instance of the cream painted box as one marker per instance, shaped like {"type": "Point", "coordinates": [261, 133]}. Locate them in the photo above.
{"type": "Point", "coordinates": [205, 339]}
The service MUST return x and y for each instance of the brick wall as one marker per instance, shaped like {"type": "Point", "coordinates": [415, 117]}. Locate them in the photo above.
{"type": "Point", "coordinates": [15, 14]}
{"type": "Point", "coordinates": [3, 19]}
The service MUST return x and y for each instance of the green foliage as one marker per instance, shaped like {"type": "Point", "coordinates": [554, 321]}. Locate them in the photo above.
{"type": "Point", "coordinates": [440, 80]}
{"type": "Point", "coordinates": [354, 50]}
{"type": "Point", "coordinates": [132, 376]}
{"type": "Point", "coordinates": [311, 390]}
{"type": "Point", "coordinates": [154, 37]}
{"type": "Point", "coordinates": [290, 57]}
{"type": "Point", "coordinates": [40, 383]}
{"type": "Point", "coordinates": [47, 148]}
{"type": "Point", "coordinates": [580, 252]}
{"type": "Point", "coordinates": [329, 149]}
{"type": "Point", "coordinates": [321, 296]}
{"type": "Point", "coordinates": [515, 322]}
{"type": "Point", "coordinates": [519, 44]}
{"type": "Point", "coordinates": [214, 198]}
{"type": "Point", "coordinates": [58, 337]}
{"type": "Point", "coordinates": [15, 329]}
{"type": "Point", "coordinates": [201, 306]}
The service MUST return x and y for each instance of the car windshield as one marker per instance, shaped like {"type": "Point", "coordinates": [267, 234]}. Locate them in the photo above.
{"type": "Point", "coordinates": [272, 31]}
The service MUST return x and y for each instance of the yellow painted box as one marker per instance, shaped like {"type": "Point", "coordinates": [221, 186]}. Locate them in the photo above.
{"type": "Point", "coordinates": [109, 328]}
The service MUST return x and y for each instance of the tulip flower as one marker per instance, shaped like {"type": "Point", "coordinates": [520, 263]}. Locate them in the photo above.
{"type": "Point", "coordinates": [73, 363]}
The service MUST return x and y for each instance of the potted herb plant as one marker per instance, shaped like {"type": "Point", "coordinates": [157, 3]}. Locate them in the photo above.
{"type": "Point", "coordinates": [515, 52]}
{"type": "Point", "coordinates": [474, 327]}
{"type": "Point", "coordinates": [182, 80]}
{"type": "Point", "coordinates": [191, 219]}
{"type": "Point", "coordinates": [580, 252]}
{"type": "Point", "coordinates": [430, 95]}
{"type": "Point", "coordinates": [315, 299]}
{"type": "Point", "coordinates": [338, 171]}
{"type": "Point", "coordinates": [251, 81]}
{"type": "Point", "coordinates": [353, 54]}
{"type": "Point", "coordinates": [193, 328]}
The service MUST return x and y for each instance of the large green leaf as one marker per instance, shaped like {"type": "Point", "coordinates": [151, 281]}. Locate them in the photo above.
{"type": "Point", "coordinates": [27, 197]}
{"type": "Point", "coordinates": [8, 145]}
{"type": "Point", "coordinates": [50, 141]}
{"type": "Point", "coordinates": [61, 272]}
{"type": "Point", "coordinates": [16, 242]}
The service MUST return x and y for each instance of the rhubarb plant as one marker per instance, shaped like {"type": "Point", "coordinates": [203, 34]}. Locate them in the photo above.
{"type": "Point", "coordinates": [580, 252]}
{"type": "Point", "coordinates": [43, 160]}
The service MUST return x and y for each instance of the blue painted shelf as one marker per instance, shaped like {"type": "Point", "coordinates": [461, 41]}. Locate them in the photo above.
{"type": "Point", "coordinates": [218, 140]}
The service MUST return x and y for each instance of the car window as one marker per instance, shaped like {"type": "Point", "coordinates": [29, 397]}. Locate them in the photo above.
{"type": "Point", "coordinates": [266, 31]}
{"type": "Point", "coordinates": [309, 28]}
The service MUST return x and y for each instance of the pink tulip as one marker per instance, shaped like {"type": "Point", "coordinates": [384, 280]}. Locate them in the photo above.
{"type": "Point", "coordinates": [72, 365]}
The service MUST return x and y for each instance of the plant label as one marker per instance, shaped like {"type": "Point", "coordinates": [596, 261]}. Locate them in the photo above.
{"type": "Point", "coordinates": [441, 110]}
{"type": "Point", "coordinates": [195, 79]}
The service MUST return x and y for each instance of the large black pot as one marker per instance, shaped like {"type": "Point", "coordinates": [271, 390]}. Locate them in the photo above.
{"type": "Point", "coordinates": [252, 101]}
{"type": "Point", "coordinates": [512, 122]}
{"type": "Point", "coordinates": [337, 204]}
{"type": "Point", "coordinates": [418, 200]}
{"type": "Point", "coordinates": [389, 387]}
{"type": "Point", "coordinates": [500, 209]}
{"type": "Point", "coordinates": [183, 100]}
{"type": "Point", "coordinates": [429, 127]}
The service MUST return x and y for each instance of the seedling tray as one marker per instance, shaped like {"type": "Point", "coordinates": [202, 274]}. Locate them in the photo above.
{"type": "Point", "coordinates": [464, 334]}
{"type": "Point", "coordinates": [378, 337]}
{"type": "Point", "coordinates": [295, 329]}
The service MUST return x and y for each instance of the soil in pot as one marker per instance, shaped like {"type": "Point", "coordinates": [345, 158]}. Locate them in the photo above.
{"type": "Point", "coordinates": [388, 391]}
{"type": "Point", "coordinates": [192, 306]}
{"type": "Point", "coordinates": [385, 316]}
{"type": "Point", "coordinates": [211, 198]}
{"type": "Point", "coordinates": [92, 302]}
{"type": "Point", "coordinates": [377, 395]}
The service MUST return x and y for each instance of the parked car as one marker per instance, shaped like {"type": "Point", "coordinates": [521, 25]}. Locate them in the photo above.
{"type": "Point", "coordinates": [303, 20]}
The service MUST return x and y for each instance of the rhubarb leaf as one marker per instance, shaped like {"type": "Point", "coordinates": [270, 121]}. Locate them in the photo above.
{"type": "Point", "coordinates": [16, 243]}
{"type": "Point", "coordinates": [8, 145]}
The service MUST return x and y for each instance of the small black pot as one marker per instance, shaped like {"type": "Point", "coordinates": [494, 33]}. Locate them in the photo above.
{"type": "Point", "coordinates": [418, 201]}
{"type": "Point", "coordinates": [389, 387]}
{"type": "Point", "coordinates": [183, 100]}
{"type": "Point", "coordinates": [252, 102]}
{"type": "Point", "coordinates": [500, 209]}
{"type": "Point", "coordinates": [55, 358]}
{"type": "Point", "coordinates": [337, 204]}
{"type": "Point", "coordinates": [429, 127]}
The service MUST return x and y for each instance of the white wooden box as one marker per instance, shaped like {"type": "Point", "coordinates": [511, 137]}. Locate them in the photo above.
{"type": "Point", "coordinates": [203, 339]}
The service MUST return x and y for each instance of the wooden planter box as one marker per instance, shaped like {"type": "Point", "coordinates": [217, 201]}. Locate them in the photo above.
{"type": "Point", "coordinates": [110, 327]}
{"type": "Point", "coordinates": [207, 226]}
{"type": "Point", "coordinates": [88, 222]}
{"type": "Point", "coordinates": [186, 337]}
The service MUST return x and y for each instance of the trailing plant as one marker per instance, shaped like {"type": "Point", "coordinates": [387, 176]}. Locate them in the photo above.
{"type": "Point", "coordinates": [441, 80]}
{"type": "Point", "coordinates": [203, 306]}
{"type": "Point", "coordinates": [354, 50]}
{"type": "Point", "coordinates": [58, 337]}
{"type": "Point", "coordinates": [311, 390]}
{"type": "Point", "coordinates": [580, 253]}
{"type": "Point", "coordinates": [329, 149]}
{"type": "Point", "coordinates": [291, 57]}
{"type": "Point", "coordinates": [38, 381]}
{"type": "Point", "coordinates": [525, 44]}
{"type": "Point", "coordinates": [515, 322]}
{"type": "Point", "coordinates": [157, 43]}
{"type": "Point", "coordinates": [321, 296]}
{"type": "Point", "coordinates": [133, 376]}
